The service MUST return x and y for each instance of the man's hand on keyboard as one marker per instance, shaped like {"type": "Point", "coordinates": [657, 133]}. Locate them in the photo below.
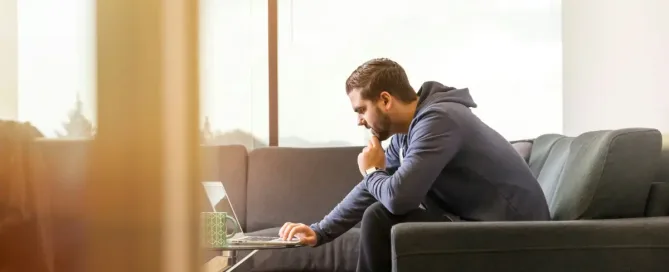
{"type": "Point", "coordinates": [306, 235]}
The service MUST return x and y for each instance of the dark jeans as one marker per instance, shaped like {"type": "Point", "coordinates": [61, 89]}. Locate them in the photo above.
{"type": "Point", "coordinates": [375, 251]}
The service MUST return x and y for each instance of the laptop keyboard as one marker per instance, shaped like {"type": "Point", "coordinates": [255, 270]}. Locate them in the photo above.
{"type": "Point", "coordinates": [259, 238]}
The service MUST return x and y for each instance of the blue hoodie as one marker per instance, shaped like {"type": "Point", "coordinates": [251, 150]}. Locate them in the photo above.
{"type": "Point", "coordinates": [450, 158]}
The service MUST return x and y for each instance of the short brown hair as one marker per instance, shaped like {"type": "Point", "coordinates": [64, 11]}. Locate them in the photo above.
{"type": "Point", "coordinates": [378, 75]}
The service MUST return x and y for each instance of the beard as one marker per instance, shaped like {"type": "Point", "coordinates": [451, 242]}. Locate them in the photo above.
{"type": "Point", "coordinates": [382, 128]}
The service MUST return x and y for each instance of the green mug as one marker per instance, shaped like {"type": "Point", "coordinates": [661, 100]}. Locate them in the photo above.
{"type": "Point", "coordinates": [218, 227]}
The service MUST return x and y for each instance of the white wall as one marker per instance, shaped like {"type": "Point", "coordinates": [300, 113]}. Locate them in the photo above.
{"type": "Point", "coordinates": [8, 60]}
{"type": "Point", "coordinates": [616, 64]}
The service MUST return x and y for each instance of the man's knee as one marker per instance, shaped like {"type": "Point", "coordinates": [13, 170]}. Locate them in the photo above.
{"type": "Point", "coordinates": [375, 212]}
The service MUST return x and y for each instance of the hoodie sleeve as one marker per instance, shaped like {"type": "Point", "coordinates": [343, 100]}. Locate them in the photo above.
{"type": "Point", "coordinates": [350, 210]}
{"type": "Point", "coordinates": [433, 142]}
{"type": "Point", "coordinates": [344, 216]}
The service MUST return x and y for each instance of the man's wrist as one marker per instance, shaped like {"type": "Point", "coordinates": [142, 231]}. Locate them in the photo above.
{"type": "Point", "coordinates": [371, 170]}
{"type": "Point", "coordinates": [319, 234]}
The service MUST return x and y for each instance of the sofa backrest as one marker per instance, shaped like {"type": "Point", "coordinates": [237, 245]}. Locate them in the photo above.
{"type": "Point", "coordinates": [658, 199]}
{"type": "Point", "coordinates": [604, 174]}
{"type": "Point", "coordinates": [297, 184]}
{"type": "Point", "coordinates": [227, 164]}
{"type": "Point", "coordinates": [599, 174]}
{"type": "Point", "coordinates": [663, 171]}
{"type": "Point", "coordinates": [65, 169]}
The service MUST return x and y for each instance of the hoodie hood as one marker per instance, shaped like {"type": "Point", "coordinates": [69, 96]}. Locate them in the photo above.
{"type": "Point", "coordinates": [434, 92]}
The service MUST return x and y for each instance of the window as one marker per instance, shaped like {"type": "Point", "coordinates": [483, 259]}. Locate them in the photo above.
{"type": "Point", "coordinates": [507, 53]}
{"type": "Point", "coordinates": [56, 66]}
{"type": "Point", "coordinates": [233, 69]}
{"type": "Point", "coordinates": [56, 69]}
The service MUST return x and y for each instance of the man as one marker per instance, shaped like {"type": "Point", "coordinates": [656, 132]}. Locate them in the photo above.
{"type": "Point", "coordinates": [444, 164]}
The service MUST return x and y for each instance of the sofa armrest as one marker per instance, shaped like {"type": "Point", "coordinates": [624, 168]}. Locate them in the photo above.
{"type": "Point", "coordinates": [639, 244]}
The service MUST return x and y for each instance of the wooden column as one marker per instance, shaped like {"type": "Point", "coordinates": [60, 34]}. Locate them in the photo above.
{"type": "Point", "coordinates": [273, 61]}
{"type": "Point", "coordinates": [140, 194]}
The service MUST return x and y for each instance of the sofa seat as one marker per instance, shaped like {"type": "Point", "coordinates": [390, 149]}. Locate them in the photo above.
{"type": "Point", "coordinates": [338, 255]}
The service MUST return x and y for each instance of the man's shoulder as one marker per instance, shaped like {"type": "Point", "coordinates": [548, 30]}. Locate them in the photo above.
{"type": "Point", "coordinates": [444, 115]}
{"type": "Point", "coordinates": [444, 110]}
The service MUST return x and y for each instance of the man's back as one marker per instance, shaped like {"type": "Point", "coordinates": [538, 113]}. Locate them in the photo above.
{"type": "Point", "coordinates": [486, 179]}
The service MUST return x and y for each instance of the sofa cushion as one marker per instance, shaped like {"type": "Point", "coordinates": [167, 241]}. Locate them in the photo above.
{"type": "Point", "coordinates": [524, 148]}
{"type": "Point", "coordinates": [227, 164]}
{"type": "Point", "coordinates": [297, 184]}
{"type": "Point", "coordinates": [338, 255]}
{"type": "Point", "coordinates": [599, 174]}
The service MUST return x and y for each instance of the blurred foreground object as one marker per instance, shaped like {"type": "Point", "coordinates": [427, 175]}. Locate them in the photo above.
{"type": "Point", "coordinates": [25, 228]}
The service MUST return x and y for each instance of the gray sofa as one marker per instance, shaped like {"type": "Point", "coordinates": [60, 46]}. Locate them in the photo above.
{"type": "Point", "coordinates": [601, 187]}
{"type": "Point", "coordinates": [608, 193]}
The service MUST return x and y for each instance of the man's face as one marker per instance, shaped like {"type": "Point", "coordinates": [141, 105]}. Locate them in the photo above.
{"type": "Point", "coordinates": [372, 115]}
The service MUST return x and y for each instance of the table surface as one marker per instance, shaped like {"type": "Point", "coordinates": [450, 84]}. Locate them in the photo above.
{"type": "Point", "coordinates": [217, 264]}
{"type": "Point", "coordinates": [228, 263]}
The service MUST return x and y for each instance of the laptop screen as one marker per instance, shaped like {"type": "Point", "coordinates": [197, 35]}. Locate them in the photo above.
{"type": "Point", "coordinates": [219, 201]}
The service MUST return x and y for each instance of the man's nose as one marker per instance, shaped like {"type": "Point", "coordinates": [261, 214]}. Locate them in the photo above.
{"type": "Point", "coordinates": [361, 122]}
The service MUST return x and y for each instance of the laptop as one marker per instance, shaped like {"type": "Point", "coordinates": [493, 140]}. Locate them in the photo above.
{"type": "Point", "coordinates": [220, 202]}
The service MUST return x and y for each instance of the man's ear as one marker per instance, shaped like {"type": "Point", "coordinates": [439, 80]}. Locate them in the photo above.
{"type": "Point", "coordinates": [386, 99]}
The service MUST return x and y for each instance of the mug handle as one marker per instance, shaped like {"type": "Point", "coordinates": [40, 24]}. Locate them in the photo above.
{"type": "Point", "coordinates": [234, 226]}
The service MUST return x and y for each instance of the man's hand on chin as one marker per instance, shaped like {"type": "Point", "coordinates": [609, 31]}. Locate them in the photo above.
{"type": "Point", "coordinates": [371, 156]}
